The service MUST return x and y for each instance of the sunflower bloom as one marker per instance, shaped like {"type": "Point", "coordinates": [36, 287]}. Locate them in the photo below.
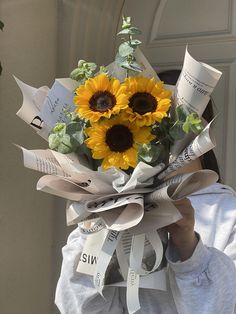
{"type": "Point", "coordinates": [149, 102]}
{"type": "Point", "coordinates": [116, 142]}
{"type": "Point", "coordinates": [100, 97]}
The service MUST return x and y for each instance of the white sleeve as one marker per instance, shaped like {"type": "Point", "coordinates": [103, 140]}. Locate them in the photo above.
{"type": "Point", "coordinates": [205, 283]}
{"type": "Point", "coordinates": [230, 249]}
{"type": "Point", "coordinates": [75, 293]}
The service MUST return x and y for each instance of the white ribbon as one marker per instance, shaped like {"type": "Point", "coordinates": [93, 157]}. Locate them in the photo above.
{"type": "Point", "coordinates": [137, 248]}
{"type": "Point", "coordinates": [136, 269]}
{"type": "Point", "coordinates": [104, 258]}
{"type": "Point", "coordinates": [132, 297]}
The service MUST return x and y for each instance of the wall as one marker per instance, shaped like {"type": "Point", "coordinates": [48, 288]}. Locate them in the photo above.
{"type": "Point", "coordinates": [28, 48]}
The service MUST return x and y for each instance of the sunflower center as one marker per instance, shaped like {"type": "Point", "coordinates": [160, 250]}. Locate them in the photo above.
{"type": "Point", "coordinates": [143, 103]}
{"type": "Point", "coordinates": [102, 101]}
{"type": "Point", "coordinates": [119, 138]}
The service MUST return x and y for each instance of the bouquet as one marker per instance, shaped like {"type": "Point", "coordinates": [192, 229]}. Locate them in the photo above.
{"type": "Point", "coordinates": [116, 136]}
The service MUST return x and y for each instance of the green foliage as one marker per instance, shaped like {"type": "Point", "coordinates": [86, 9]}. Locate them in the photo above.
{"type": "Point", "coordinates": [67, 138]}
{"type": "Point", "coordinates": [185, 122]}
{"type": "Point", "coordinates": [166, 133]}
{"type": "Point", "coordinates": [83, 72]}
{"type": "Point", "coordinates": [1, 28]}
{"type": "Point", "coordinates": [162, 132]}
{"type": "Point", "coordinates": [103, 69]}
{"type": "Point", "coordinates": [152, 154]}
{"type": "Point", "coordinates": [193, 123]}
{"type": "Point", "coordinates": [125, 57]}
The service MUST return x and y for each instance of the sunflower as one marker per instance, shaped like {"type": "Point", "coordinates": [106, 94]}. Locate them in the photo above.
{"type": "Point", "coordinates": [148, 100]}
{"type": "Point", "coordinates": [116, 142]}
{"type": "Point", "coordinates": [100, 97]}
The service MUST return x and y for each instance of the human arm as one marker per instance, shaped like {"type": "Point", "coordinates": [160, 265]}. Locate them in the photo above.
{"type": "Point", "coordinates": [182, 234]}
{"type": "Point", "coordinates": [204, 282]}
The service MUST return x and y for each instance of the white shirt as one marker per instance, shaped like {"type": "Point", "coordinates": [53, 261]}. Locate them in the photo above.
{"type": "Point", "coordinates": [203, 284]}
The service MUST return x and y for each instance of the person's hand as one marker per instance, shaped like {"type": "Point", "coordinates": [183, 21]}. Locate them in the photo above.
{"type": "Point", "coordinates": [182, 232]}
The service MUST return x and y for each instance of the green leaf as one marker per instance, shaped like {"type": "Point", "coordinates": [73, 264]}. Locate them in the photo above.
{"type": "Point", "coordinates": [176, 131]}
{"type": "Point", "coordinates": [181, 113]}
{"type": "Point", "coordinates": [130, 31]}
{"type": "Point", "coordinates": [119, 60]}
{"type": "Point", "coordinates": [193, 123]}
{"type": "Point", "coordinates": [79, 137]}
{"type": "Point", "coordinates": [103, 69]}
{"type": "Point", "coordinates": [152, 153]}
{"type": "Point", "coordinates": [134, 66]}
{"type": "Point", "coordinates": [126, 22]}
{"type": "Point", "coordinates": [1, 25]}
{"type": "Point", "coordinates": [83, 71]}
{"type": "Point", "coordinates": [91, 66]}
{"type": "Point", "coordinates": [125, 49]}
{"type": "Point", "coordinates": [59, 128]}
{"type": "Point", "coordinates": [186, 127]}
{"type": "Point", "coordinates": [65, 147]}
{"type": "Point", "coordinates": [73, 127]}
{"type": "Point", "coordinates": [81, 63]}
{"type": "Point", "coordinates": [54, 141]}
{"type": "Point", "coordinates": [135, 42]}
{"type": "Point", "coordinates": [77, 75]}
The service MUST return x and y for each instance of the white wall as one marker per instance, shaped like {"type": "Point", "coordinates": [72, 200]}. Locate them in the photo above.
{"type": "Point", "coordinates": [28, 47]}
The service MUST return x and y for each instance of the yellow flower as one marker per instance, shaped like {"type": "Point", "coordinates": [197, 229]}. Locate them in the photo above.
{"type": "Point", "coordinates": [100, 97]}
{"type": "Point", "coordinates": [116, 142]}
{"type": "Point", "coordinates": [148, 101]}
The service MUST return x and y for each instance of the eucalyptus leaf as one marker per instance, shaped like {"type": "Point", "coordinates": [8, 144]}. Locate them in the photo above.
{"type": "Point", "coordinates": [54, 141]}
{"type": "Point", "coordinates": [181, 113]}
{"type": "Point", "coordinates": [81, 63]}
{"type": "Point", "coordinates": [119, 60]}
{"type": "Point", "coordinates": [135, 42]}
{"type": "Point", "coordinates": [125, 50]}
{"type": "Point", "coordinates": [131, 66]}
{"type": "Point", "coordinates": [83, 71]}
{"type": "Point", "coordinates": [91, 65]}
{"type": "Point", "coordinates": [73, 127]}
{"type": "Point", "coordinates": [131, 31]}
{"type": "Point", "coordinates": [78, 136]}
{"type": "Point", "coordinates": [152, 153]}
{"type": "Point", "coordinates": [65, 146]}
{"type": "Point", "coordinates": [186, 127]}
{"type": "Point", "coordinates": [176, 131]}
{"type": "Point", "coordinates": [126, 22]}
{"type": "Point", "coordinates": [77, 75]}
{"type": "Point", "coordinates": [193, 123]}
{"type": "Point", "coordinates": [136, 67]}
{"type": "Point", "coordinates": [103, 69]}
{"type": "Point", "coordinates": [59, 127]}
